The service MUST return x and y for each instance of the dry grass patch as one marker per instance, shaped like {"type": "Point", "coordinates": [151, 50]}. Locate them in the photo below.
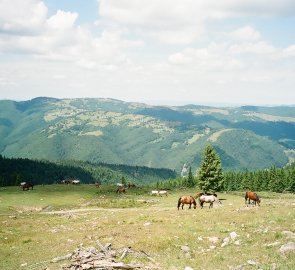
{"type": "Point", "coordinates": [172, 238]}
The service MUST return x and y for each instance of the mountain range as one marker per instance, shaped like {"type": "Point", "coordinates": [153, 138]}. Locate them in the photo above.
{"type": "Point", "coordinates": [137, 134]}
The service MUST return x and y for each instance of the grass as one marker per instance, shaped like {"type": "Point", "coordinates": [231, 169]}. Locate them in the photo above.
{"type": "Point", "coordinates": [152, 224]}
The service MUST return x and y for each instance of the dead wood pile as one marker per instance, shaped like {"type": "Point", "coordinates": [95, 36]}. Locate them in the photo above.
{"type": "Point", "coordinates": [104, 259]}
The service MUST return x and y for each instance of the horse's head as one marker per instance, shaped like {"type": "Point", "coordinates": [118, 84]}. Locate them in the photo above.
{"type": "Point", "coordinates": [219, 203]}
{"type": "Point", "coordinates": [193, 202]}
{"type": "Point", "coordinates": [258, 201]}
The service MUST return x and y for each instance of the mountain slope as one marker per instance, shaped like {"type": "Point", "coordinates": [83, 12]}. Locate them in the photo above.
{"type": "Point", "coordinates": [113, 131]}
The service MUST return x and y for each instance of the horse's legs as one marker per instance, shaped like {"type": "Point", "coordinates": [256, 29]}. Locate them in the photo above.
{"type": "Point", "coordinates": [190, 206]}
{"type": "Point", "coordinates": [211, 205]}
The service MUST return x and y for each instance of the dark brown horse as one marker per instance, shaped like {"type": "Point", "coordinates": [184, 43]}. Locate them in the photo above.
{"type": "Point", "coordinates": [27, 186]}
{"type": "Point", "coordinates": [67, 182]}
{"type": "Point", "coordinates": [131, 185]}
{"type": "Point", "coordinates": [186, 200]}
{"type": "Point", "coordinates": [252, 196]}
{"type": "Point", "coordinates": [121, 190]}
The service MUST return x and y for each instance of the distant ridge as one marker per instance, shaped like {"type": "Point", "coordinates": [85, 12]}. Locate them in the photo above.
{"type": "Point", "coordinates": [138, 134]}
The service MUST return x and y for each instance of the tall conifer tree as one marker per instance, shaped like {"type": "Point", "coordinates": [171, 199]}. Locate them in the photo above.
{"type": "Point", "coordinates": [210, 176]}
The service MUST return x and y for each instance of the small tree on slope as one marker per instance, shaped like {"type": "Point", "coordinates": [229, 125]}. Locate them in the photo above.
{"type": "Point", "coordinates": [210, 177]}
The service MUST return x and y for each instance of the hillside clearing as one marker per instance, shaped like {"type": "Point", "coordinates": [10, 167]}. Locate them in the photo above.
{"type": "Point", "coordinates": [173, 239]}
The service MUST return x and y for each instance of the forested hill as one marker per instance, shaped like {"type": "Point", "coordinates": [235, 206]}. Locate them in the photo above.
{"type": "Point", "coordinates": [136, 134]}
{"type": "Point", "coordinates": [14, 171]}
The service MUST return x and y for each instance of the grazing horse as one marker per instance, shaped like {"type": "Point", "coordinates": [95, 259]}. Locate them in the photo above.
{"type": "Point", "coordinates": [209, 199]}
{"type": "Point", "coordinates": [27, 186]}
{"type": "Point", "coordinates": [155, 193]}
{"type": "Point", "coordinates": [198, 195]}
{"type": "Point", "coordinates": [186, 200]}
{"type": "Point", "coordinates": [131, 185]}
{"type": "Point", "coordinates": [75, 182]}
{"type": "Point", "coordinates": [67, 182]}
{"type": "Point", "coordinates": [121, 190]}
{"type": "Point", "coordinates": [252, 196]}
{"type": "Point", "coordinates": [163, 192]}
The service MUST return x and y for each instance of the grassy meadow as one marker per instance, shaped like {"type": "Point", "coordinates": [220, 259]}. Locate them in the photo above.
{"type": "Point", "coordinates": [52, 221]}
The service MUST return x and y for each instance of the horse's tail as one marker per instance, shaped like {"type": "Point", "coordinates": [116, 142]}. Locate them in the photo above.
{"type": "Point", "coordinates": [179, 202]}
{"type": "Point", "coordinates": [246, 195]}
{"type": "Point", "coordinates": [194, 201]}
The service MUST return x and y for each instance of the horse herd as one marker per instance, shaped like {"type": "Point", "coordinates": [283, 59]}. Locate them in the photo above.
{"type": "Point", "coordinates": [190, 200]}
{"type": "Point", "coordinates": [212, 198]}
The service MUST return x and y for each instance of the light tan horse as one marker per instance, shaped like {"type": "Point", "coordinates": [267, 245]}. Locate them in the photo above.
{"type": "Point", "coordinates": [209, 199]}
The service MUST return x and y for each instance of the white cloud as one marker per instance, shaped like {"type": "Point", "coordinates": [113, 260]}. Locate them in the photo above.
{"type": "Point", "coordinates": [245, 33]}
{"type": "Point", "coordinates": [22, 16]}
{"type": "Point", "coordinates": [131, 54]}
{"type": "Point", "coordinates": [183, 21]}
{"type": "Point", "coordinates": [289, 51]}
{"type": "Point", "coordinates": [258, 48]}
{"type": "Point", "coordinates": [58, 37]}
{"type": "Point", "coordinates": [62, 20]}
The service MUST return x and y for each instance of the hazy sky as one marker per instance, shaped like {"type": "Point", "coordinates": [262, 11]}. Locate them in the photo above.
{"type": "Point", "coordinates": [153, 51]}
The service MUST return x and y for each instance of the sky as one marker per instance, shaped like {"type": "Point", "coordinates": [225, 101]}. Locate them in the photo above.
{"type": "Point", "coordinates": [168, 52]}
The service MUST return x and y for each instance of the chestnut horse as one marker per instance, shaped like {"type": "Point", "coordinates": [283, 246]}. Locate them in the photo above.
{"type": "Point", "coordinates": [252, 196]}
{"type": "Point", "coordinates": [121, 190]}
{"type": "Point", "coordinates": [186, 200]}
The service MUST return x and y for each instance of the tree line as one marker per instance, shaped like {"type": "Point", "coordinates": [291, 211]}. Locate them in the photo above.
{"type": "Point", "coordinates": [13, 171]}
{"type": "Point", "coordinates": [210, 177]}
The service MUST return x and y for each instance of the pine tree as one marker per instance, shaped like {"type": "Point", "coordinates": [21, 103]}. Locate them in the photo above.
{"type": "Point", "coordinates": [210, 176]}
{"type": "Point", "coordinates": [123, 181]}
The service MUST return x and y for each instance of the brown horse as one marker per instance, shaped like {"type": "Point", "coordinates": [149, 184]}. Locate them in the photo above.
{"type": "Point", "coordinates": [252, 196]}
{"type": "Point", "coordinates": [186, 200]}
{"type": "Point", "coordinates": [67, 182]}
{"type": "Point", "coordinates": [121, 190]}
{"type": "Point", "coordinates": [27, 186]}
